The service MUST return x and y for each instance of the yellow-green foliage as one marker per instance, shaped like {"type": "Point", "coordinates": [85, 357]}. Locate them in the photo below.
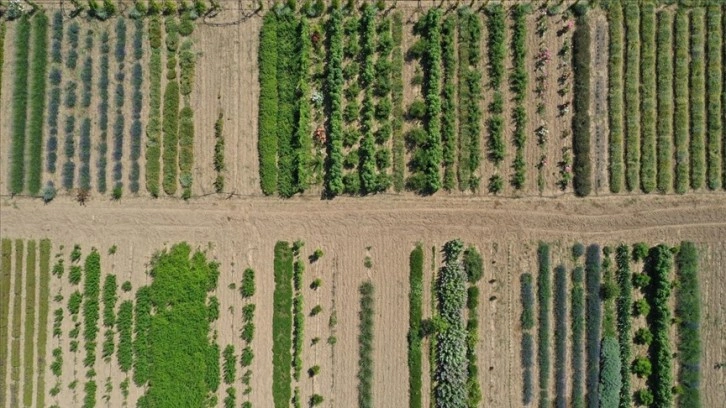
{"type": "Point", "coordinates": [681, 92]}
{"type": "Point", "coordinates": [648, 98]}
{"type": "Point", "coordinates": [664, 75]}
{"type": "Point", "coordinates": [698, 99]}
{"type": "Point", "coordinates": [714, 87]}
{"type": "Point", "coordinates": [632, 96]}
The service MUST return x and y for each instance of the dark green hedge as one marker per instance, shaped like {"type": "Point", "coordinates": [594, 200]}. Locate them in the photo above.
{"type": "Point", "coordinates": [544, 303]}
{"type": "Point", "coordinates": [688, 315]}
{"type": "Point", "coordinates": [593, 322]}
{"type": "Point", "coordinates": [282, 326]}
{"type": "Point", "coordinates": [267, 118]}
{"type": "Point", "coordinates": [414, 331]}
{"type": "Point", "coordinates": [20, 105]}
{"type": "Point", "coordinates": [38, 79]}
{"type": "Point", "coordinates": [624, 311]}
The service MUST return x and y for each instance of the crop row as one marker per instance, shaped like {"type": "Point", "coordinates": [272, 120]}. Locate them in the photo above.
{"type": "Point", "coordinates": [302, 142]}
{"type": "Point", "coordinates": [468, 94]}
{"type": "Point", "coordinates": [287, 71]}
{"type": "Point", "coordinates": [366, 151]}
{"type": "Point", "coordinates": [593, 322]}
{"type": "Point", "coordinates": [448, 104]}
{"type": "Point", "coordinates": [714, 86]}
{"type": "Point", "coordinates": [698, 98]}
{"type": "Point", "coordinates": [615, 96]}
{"type": "Point", "coordinates": [658, 265]}
{"type": "Point", "coordinates": [124, 351]}
{"type": "Point", "coordinates": [15, 364]}
{"type": "Point", "coordinates": [103, 84]}
{"type": "Point", "coordinates": [496, 51]}
{"type": "Point", "coordinates": [544, 303]}
{"type": "Point", "coordinates": [20, 103]}
{"type": "Point", "coordinates": [38, 77]}
{"type": "Point", "coordinates": [43, 305]}
{"type": "Point", "coordinates": [267, 62]}
{"type": "Point", "coordinates": [414, 329]}
{"type": "Point", "coordinates": [527, 322]}
{"type": "Point", "coordinates": [29, 317]}
{"type": "Point", "coordinates": [681, 92]}
{"type": "Point", "coordinates": [170, 113]}
{"type": "Point", "coordinates": [54, 99]}
{"type": "Point", "coordinates": [365, 344]}
{"type": "Point", "coordinates": [560, 305]}
{"type": "Point", "coordinates": [153, 128]}
{"type": "Point", "coordinates": [581, 106]}
{"type": "Point", "coordinates": [91, 293]}
{"type": "Point", "coordinates": [282, 325]}
{"type": "Point", "coordinates": [298, 313]}
{"type": "Point", "coordinates": [137, 100]}
{"type": "Point", "coordinates": [473, 267]}
{"type": "Point", "coordinates": [451, 361]}
{"type": "Point", "coordinates": [142, 328]}
{"type": "Point", "coordinates": [664, 75]}
{"type": "Point", "coordinates": [648, 98]}
{"type": "Point", "coordinates": [624, 311]}
{"type": "Point", "coordinates": [632, 96]}
{"type": "Point", "coordinates": [110, 298]}
{"type": "Point", "coordinates": [397, 101]}
{"type": "Point", "coordinates": [518, 85]}
{"type": "Point", "coordinates": [5, 286]}
{"type": "Point", "coordinates": [688, 316]}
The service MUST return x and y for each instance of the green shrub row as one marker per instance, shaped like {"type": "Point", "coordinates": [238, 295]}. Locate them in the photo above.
{"type": "Point", "coordinates": [448, 103]}
{"type": "Point", "coordinates": [593, 321]}
{"type": "Point", "coordinates": [2, 53]}
{"type": "Point", "coordinates": [29, 317]}
{"type": "Point", "coordinates": [580, 107]}
{"type": "Point", "coordinates": [170, 114]}
{"type": "Point", "coordinates": [15, 360]}
{"type": "Point", "coordinates": [681, 94]}
{"type": "Point", "coordinates": [664, 75]}
{"type": "Point", "coordinates": [267, 145]}
{"type": "Point", "coordinates": [714, 87]}
{"type": "Point", "coordinates": [632, 96]}
{"type": "Point", "coordinates": [688, 315]}
{"type": "Point", "coordinates": [5, 277]}
{"type": "Point", "coordinates": [186, 68]}
{"type": "Point", "coordinates": [137, 80]}
{"type": "Point", "coordinates": [610, 373]}
{"type": "Point", "coordinates": [302, 141]}
{"type": "Point", "coordinates": [648, 98]}
{"type": "Point", "coordinates": [544, 303]}
{"type": "Point", "coordinates": [20, 105]}
{"type": "Point", "coordinates": [84, 145]}
{"type": "Point", "coordinates": [366, 151]}
{"type": "Point", "coordinates": [658, 265]}
{"type": "Point", "coordinates": [615, 96]}
{"type": "Point", "coordinates": [723, 107]}
{"type": "Point", "coordinates": [496, 16]}
{"type": "Point", "coordinates": [527, 296]}
{"type": "Point", "coordinates": [103, 83]}
{"type": "Point", "coordinates": [399, 162]}
{"type": "Point", "coordinates": [219, 153]}
{"type": "Point", "coordinates": [43, 305]}
{"type": "Point", "coordinates": [473, 267]}
{"type": "Point", "coordinates": [496, 51]}
{"type": "Point", "coordinates": [298, 335]}
{"type": "Point", "coordinates": [518, 85]}
{"type": "Point", "coordinates": [698, 99]}
{"type": "Point", "coordinates": [624, 310]}
{"type": "Point", "coordinates": [186, 149]}
{"type": "Point", "coordinates": [229, 364]}
{"type": "Point", "coordinates": [469, 91]}
{"type": "Point", "coordinates": [560, 306]}
{"type": "Point", "coordinates": [38, 77]}
{"type": "Point", "coordinates": [451, 370]}
{"type": "Point", "coordinates": [91, 293]}
{"type": "Point", "coordinates": [365, 346]}
{"type": "Point", "coordinates": [527, 358]}
{"type": "Point", "coordinates": [415, 313]}
{"type": "Point", "coordinates": [110, 287]}
{"type": "Point", "coordinates": [282, 325]}
{"type": "Point", "coordinates": [334, 83]}
{"type": "Point", "coordinates": [153, 128]}
{"type": "Point", "coordinates": [185, 360]}
{"type": "Point", "coordinates": [123, 325]}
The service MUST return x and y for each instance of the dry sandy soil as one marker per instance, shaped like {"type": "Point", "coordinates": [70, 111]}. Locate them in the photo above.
{"type": "Point", "coordinates": [242, 232]}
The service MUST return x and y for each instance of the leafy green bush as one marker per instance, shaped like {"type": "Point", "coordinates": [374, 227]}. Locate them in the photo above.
{"type": "Point", "coordinates": [714, 87]}
{"type": "Point", "coordinates": [615, 96]}
{"type": "Point", "coordinates": [185, 362]}
{"type": "Point", "coordinates": [74, 302]}
{"type": "Point", "coordinates": [75, 275]}
{"type": "Point", "coordinates": [688, 316]}
{"type": "Point", "coordinates": [496, 46]}
{"type": "Point", "coordinates": [37, 101]}
{"type": "Point", "coordinates": [469, 89]}
{"type": "Point", "coordinates": [91, 292]}
{"type": "Point", "coordinates": [641, 367]}
{"type": "Point", "coordinates": [681, 92]}
{"type": "Point", "coordinates": [580, 107]}
{"type": "Point", "coordinates": [20, 105]}
{"type": "Point", "coordinates": [282, 326]}
{"type": "Point", "coordinates": [648, 98]}
{"type": "Point", "coordinates": [698, 103]}
{"type": "Point", "coordinates": [632, 96]}
{"type": "Point", "coordinates": [664, 75]}
{"type": "Point", "coordinates": [365, 346]}
{"type": "Point", "coordinates": [644, 397]}
{"type": "Point", "coordinates": [414, 331]}
{"type": "Point", "coordinates": [229, 366]}
{"type": "Point", "coordinates": [594, 321]}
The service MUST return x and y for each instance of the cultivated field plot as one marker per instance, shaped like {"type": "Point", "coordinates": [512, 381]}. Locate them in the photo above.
{"type": "Point", "coordinates": [311, 304]}
{"type": "Point", "coordinates": [371, 204]}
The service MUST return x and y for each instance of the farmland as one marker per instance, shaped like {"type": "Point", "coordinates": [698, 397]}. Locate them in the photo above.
{"type": "Point", "coordinates": [345, 204]}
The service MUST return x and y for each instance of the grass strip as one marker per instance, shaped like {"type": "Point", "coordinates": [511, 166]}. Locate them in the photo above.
{"type": "Point", "coordinates": [20, 105]}
{"type": "Point", "coordinates": [38, 77]}
{"type": "Point", "coordinates": [681, 93]}
{"type": "Point", "coordinates": [17, 325]}
{"type": "Point", "coordinates": [29, 318]}
{"type": "Point", "coordinates": [282, 326]}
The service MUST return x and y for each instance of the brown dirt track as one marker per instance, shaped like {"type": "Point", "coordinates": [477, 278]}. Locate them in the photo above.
{"type": "Point", "coordinates": [242, 232]}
